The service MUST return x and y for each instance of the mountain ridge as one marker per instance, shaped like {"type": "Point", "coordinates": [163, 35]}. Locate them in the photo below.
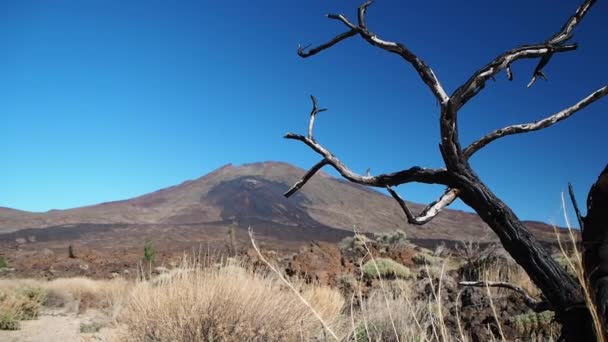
{"type": "Point", "coordinates": [253, 192]}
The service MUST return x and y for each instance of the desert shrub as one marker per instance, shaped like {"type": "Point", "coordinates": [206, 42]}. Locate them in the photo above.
{"type": "Point", "coordinates": [412, 319]}
{"type": "Point", "coordinates": [393, 239]}
{"type": "Point", "coordinates": [347, 283]}
{"type": "Point", "coordinates": [149, 252]}
{"type": "Point", "coordinates": [229, 303]}
{"type": "Point", "coordinates": [8, 321]}
{"type": "Point", "coordinates": [3, 262]}
{"type": "Point", "coordinates": [33, 300]}
{"type": "Point", "coordinates": [542, 325]}
{"type": "Point", "coordinates": [79, 294]}
{"type": "Point", "coordinates": [90, 328]}
{"type": "Point", "coordinates": [387, 268]}
{"type": "Point", "coordinates": [19, 301]}
{"type": "Point", "coordinates": [354, 243]}
{"type": "Point", "coordinates": [425, 259]}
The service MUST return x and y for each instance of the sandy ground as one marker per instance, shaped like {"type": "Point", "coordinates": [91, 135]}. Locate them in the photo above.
{"type": "Point", "coordinates": [63, 327]}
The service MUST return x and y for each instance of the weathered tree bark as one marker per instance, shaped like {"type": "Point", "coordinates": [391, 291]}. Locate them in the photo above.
{"type": "Point", "coordinates": [559, 289]}
{"type": "Point", "coordinates": [595, 244]}
{"type": "Point", "coordinates": [557, 286]}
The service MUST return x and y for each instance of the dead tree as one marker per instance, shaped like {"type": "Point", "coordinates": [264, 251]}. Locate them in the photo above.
{"type": "Point", "coordinates": [559, 289]}
{"type": "Point", "coordinates": [595, 243]}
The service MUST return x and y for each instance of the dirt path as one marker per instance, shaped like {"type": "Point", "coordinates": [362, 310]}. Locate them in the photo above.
{"type": "Point", "coordinates": [61, 327]}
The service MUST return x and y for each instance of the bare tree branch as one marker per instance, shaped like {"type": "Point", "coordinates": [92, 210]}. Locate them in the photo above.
{"type": "Point", "coordinates": [577, 211]}
{"type": "Point", "coordinates": [537, 125]}
{"type": "Point", "coordinates": [478, 81]}
{"type": "Point", "coordinates": [361, 13]}
{"type": "Point", "coordinates": [306, 177]}
{"type": "Point", "coordinates": [544, 51]}
{"type": "Point", "coordinates": [313, 113]}
{"type": "Point", "coordinates": [304, 54]}
{"type": "Point", "coordinates": [430, 211]}
{"type": "Point", "coordinates": [425, 72]}
{"type": "Point", "coordinates": [566, 32]}
{"type": "Point", "coordinates": [413, 174]}
{"type": "Point", "coordinates": [534, 304]}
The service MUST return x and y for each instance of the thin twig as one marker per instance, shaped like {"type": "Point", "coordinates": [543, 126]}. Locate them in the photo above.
{"type": "Point", "coordinates": [293, 289]}
{"type": "Point", "coordinates": [534, 304]}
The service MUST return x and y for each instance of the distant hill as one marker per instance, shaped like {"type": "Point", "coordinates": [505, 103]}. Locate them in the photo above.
{"type": "Point", "coordinates": [252, 194]}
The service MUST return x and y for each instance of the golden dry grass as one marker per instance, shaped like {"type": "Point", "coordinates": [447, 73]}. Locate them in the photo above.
{"type": "Point", "coordinates": [230, 303]}
{"type": "Point", "coordinates": [85, 293]}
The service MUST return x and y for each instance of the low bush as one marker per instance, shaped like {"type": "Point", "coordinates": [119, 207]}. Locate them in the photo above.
{"type": "Point", "coordinates": [386, 268]}
{"type": "Point", "coordinates": [225, 304]}
{"type": "Point", "coordinates": [3, 262]}
{"type": "Point", "coordinates": [19, 301]}
{"type": "Point", "coordinates": [397, 238]}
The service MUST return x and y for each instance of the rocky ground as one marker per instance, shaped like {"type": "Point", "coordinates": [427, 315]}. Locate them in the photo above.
{"type": "Point", "coordinates": [430, 273]}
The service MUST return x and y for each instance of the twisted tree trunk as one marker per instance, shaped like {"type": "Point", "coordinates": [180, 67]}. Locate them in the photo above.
{"type": "Point", "coordinates": [560, 290]}
{"type": "Point", "coordinates": [595, 245]}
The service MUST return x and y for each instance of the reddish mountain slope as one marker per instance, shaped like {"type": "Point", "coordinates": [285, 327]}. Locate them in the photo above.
{"type": "Point", "coordinates": [252, 194]}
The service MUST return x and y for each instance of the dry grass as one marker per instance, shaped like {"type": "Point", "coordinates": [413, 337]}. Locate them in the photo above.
{"type": "Point", "coordinates": [24, 299]}
{"type": "Point", "coordinates": [229, 303]}
{"type": "Point", "coordinates": [411, 319]}
{"type": "Point", "coordinates": [574, 260]}
{"type": "Point", "coordinates": [80, 294]}
{"type": "Point", "coordinates": [19, 301]}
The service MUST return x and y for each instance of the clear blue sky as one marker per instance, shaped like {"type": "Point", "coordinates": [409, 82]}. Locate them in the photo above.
{"type": "Point", "coordinates": [106, 100]}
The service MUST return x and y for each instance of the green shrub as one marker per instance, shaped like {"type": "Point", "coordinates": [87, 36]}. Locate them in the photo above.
{"type": "Point", "coordinates": [393, 239]}
{"type": "Point", "coordinates": [90, 328]}
{"type": "Point", "coordinates": [35, 298]}
{"type": "Point", "coordinates": [8, 321]}
{"type": "Point", "coordinates": [387, 268]}
{"type": "Point", "coordinates": [17, 304]}
{"type": "Point", "coordinates": [347, 283]}
{"type": "Point", "coordinates": [425, 259]}
{"type": "Point", "coordinates": [3, 262]}
{"type": "Point", "coordinates": [532, 323]}
{"type": "Point", "coordinates": [149, 252]}
{"type": "Point", "coordinates": [354, 243]}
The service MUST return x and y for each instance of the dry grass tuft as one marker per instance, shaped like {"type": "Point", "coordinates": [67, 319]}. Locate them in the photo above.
{"type": "Point", "coordinates": [19, 300]}
{"type": "Point", "coordinates": [79, 294]}
{"type": "Point", "coordinates": [411, 319]}
{"type": "Point", "coordinates": [229, 303]}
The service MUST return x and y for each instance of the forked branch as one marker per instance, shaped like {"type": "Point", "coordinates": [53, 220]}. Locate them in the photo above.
{"type": "Point", "coordinates": [537, 125]}
{"type": "Point", "coordinates": [430, 211]}
{"type": "Point", "coordinates": [315, 110]}
{"type": "Point", "coordinates": [534, 304]}
{"type": "Point", "coordinates": [478, 81]}
{"type": "Point", "coordinates": [425, 72]}
{"type": "Point", "coordinates": [546, 50]}
{"type": "Point", "coordinates": [413, 174]}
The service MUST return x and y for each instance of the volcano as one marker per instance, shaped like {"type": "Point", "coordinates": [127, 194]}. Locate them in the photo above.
{"type": "Point", "coordinates": [326, 208]}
